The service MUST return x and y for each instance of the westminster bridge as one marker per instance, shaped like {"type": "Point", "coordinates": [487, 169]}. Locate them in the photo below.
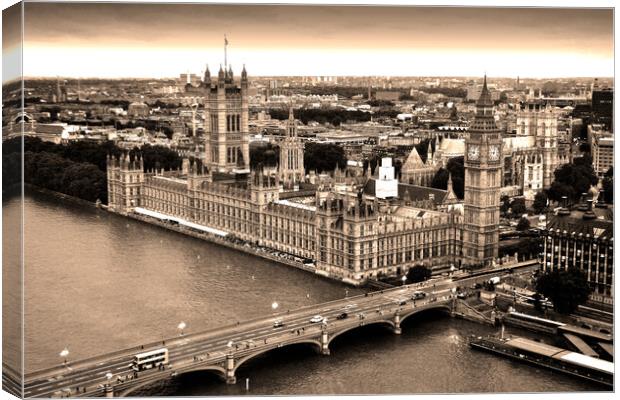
{"type": "Point", "coordinates": [224, 350]}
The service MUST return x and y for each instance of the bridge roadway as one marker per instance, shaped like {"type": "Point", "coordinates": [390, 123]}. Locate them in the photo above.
{"type": "Point", "coordinates": [224, 350]}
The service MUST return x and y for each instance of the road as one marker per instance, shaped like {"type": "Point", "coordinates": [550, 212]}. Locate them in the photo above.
{"type": "Point", "coordinates": [87, 377]}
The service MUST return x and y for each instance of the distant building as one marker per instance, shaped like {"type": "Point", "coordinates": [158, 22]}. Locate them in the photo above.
{"type": "Point", "coordinates": [536, 151]}
{"type": "Point", "coordinates": [602, 148]}
{"type": "Point", "coordinates": [192, 79]}
{"type": "Point", "coordinates": [387, 95]}
{"type": "Point", "coordinates": [603, 107]}
{"type": "Point", "coordinates": [138, 110]}
{"type": "Point", "coordinates": [587, 244]}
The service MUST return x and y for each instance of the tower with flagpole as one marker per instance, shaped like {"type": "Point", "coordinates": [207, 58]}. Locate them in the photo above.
{"type": "Point", "coordinates": [226, 120]}
{"type": "Point", "coordinates": [225, 52]}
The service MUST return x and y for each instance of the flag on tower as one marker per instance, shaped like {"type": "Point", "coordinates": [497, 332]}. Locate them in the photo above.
{"type": "Point", "coordinates": [225, 52]}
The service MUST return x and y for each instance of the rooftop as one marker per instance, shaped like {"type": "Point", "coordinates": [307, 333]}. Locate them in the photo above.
{"type": "Point", "coordinates": [571, 223]}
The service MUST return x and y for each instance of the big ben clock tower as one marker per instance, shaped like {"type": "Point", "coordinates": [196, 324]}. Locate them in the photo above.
{"type": "Point", "coordinates": [483, 171]}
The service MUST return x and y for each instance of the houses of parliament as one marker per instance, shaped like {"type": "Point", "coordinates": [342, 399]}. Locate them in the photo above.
{"type": "Point", "coordinates": [350, 234]}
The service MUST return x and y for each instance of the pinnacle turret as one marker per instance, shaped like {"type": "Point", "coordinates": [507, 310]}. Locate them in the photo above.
{"type": "Point", "coordinates": [206, 81]}
{"type": "Point", "coordinates": [485, 96]}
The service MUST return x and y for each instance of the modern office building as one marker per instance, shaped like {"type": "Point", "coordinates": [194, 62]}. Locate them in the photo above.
{"type": "Point", "coordinates": [587, 244]}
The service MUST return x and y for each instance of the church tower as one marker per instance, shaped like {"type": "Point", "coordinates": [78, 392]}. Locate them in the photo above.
{"type": "Point", "coordinates": [291, 169]}
{"type": "Point", "coordinates": [226, 123]}
{"type": "Point", "coordinates": [483, 172]}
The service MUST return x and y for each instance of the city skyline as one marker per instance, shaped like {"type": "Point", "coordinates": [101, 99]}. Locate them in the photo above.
{"type": "Point", "coordinates": [89, 40]}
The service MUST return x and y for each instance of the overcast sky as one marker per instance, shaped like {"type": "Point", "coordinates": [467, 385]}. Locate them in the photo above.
{"type": "Point", "coordinates": [143, 40]}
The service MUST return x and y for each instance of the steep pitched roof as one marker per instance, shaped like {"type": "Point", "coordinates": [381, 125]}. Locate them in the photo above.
{"type": "Point", "coordinates": [414, 161]}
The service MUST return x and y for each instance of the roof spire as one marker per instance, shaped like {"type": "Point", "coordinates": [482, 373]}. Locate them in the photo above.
{"type": "Point", "coordinates": [485, 96]}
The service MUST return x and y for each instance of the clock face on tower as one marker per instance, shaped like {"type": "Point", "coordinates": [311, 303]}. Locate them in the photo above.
{"type": "Point", "coordinates": [473, 152]}
{"type": "Point", "coordinates": [494, 153]}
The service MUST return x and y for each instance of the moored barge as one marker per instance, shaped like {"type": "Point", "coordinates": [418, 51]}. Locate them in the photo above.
{"type": "Point", "coordinates": [550, 357]}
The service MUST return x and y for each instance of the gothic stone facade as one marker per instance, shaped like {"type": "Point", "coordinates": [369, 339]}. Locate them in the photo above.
{"type": "Point", "coordinates": [350, 238]}
{"type": "Point", "coordinates": [226, 123]}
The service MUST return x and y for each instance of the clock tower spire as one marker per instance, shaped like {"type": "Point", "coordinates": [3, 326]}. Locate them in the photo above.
{"type": "Point", "coordinates": [483, 176]}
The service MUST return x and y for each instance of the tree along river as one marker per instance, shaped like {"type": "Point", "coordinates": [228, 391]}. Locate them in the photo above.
{"type": "Point", "coordinates": [97, 282]}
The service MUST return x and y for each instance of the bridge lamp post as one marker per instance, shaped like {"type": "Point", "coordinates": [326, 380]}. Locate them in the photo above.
{"type": "Point", "coordinates": [230, 346]}
{"type": "Point", "coordinates": [181, 327]}
{"type": "Point", "coordinates": [64, 354]}
{"type": "Point", "coordinates": [109, 392]}
{"type": "Point", "coordinates": [274, 306]}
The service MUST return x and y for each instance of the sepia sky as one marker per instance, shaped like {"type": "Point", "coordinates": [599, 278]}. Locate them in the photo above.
{"type": "Point", "coordinates": [159, 40]}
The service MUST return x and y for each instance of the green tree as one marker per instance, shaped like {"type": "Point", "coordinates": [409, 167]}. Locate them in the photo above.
{"type": "Point", "coordinates": [585, 148]}
{"type": "Point", "coordinates": [85, 181]}
{"type": "Point", "coordinates": [418, 273]}
{"type": "Point", "coordinates": [517, 206]}
{"type": "Point", "coordinates": [572, 180]}
{"type": "Point", "coordinates": [537, 302]}
{"type": "Point", "coordinates": [540, 202]}
{"type": "Point", "coordinates": [455, 168]}
{"type": "Point", "coordinates": [267, 154]}
{"type": "Point", "coordinates": [504, 205]}
{"type": "Point", "coordinates": [567, 289]}
{"type": "Point", "coordinates": [523, 225]}
{"type": "Point", "coordinates": [489, 286]}
{"type": "Point", "coordinates": [158, 157]}
{"type": "Point", "coordinates": [422, 148]}
{"type": "Point", "coordinates": [323, 157]}
{"type": "Point", "coordinates": [440, 180]}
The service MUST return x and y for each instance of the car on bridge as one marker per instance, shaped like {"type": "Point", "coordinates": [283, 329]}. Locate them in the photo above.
{"type": "Point", "coordinates": [316, 319]}
{"type": "Point", "coordinates": [344, 315]}
{"type": "Point", "coordinates": [417, 295]}
{"type": "Point", "coordinates": [278, 323]}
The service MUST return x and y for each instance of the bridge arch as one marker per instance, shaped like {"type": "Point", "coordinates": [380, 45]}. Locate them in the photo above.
{"type": "Point", "coordinates": [220, 372]}
{"type": "Point", "coordinates": [440, 306]}
{"type": "Point", "coordinates": [238, 363]}
{"type": "Point", "coordinates": [389, 324]}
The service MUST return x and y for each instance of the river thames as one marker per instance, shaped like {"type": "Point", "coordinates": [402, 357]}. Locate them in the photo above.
{"type": "Point", "coordinates": [97, 282]}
